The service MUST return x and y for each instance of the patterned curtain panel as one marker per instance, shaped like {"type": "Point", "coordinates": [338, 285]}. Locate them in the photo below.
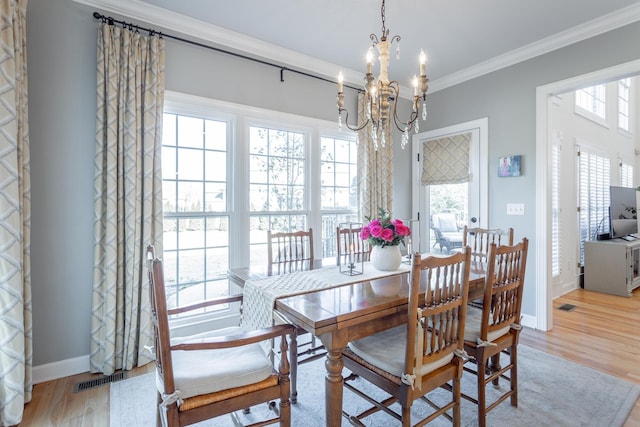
{"type": "Point", "coordinates": [446, 160]}
{"type": "Point", "coordinates": [375, 168]}
{"type": "Point", "coordinates": [15, 217]}
{"type": "Point", "coordinates": [128, 194]}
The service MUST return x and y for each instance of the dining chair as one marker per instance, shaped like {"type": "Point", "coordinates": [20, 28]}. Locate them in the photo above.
{"type": "Point", "coordinates": [348, 241]}
{"type": "Point", "coordinates": [288, 252]}
{"type": "Point", "coordinates": [217, 372]}
{"type": "Point", "coordinates": [495, 328]}
{"type": "Point", "coordinates": [426, 353]}
{"type": "Point", "coordinates": [479, 239]}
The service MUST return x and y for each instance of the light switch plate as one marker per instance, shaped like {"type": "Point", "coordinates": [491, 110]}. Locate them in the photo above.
{"type": "Point", "coordinates": [515, 208]}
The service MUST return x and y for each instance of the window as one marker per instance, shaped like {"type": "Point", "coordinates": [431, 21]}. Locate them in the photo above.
{"type": "Point", "coordinates": [624, 93]}
{"type": "Point", "coordinates": [338, 185]}
{"type": "Point", "coordinates": [592, 100]}
{"type": "Point", "coordinates": [626, 174]}
{"type": "Point", "coordinates": [276, 185]}
{"type": "Point", "coordinates": [196, 221]}
{"type": "Point", "coordinates": [593, 195]}
{"type": "Point", "coordinates": [230, 173]}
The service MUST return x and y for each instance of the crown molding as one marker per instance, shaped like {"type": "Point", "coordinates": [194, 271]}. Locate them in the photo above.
{"type": "Point", "coordinates": [222, 37]}
{"type": "Point", "coordinates": [617, 19]}
{"type": "Point", "coordinates": [156, 16]}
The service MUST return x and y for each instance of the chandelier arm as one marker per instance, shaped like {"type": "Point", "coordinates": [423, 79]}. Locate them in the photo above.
{"type": "Point", "coordinates": [346, 121]}
{"type": "Point", "coordinates": [400, 125]}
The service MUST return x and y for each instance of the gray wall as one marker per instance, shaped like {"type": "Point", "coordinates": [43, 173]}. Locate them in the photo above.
{"type": "Point", "coordinates": [61, 37]}
{"type": "Point", "coordinates": [61, 49]}
{"type": "Point", "coordinates": [507, 97]}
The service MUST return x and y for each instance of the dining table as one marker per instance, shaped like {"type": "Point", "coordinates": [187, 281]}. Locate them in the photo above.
{"type": "Point", "coordinates": [347, 312]}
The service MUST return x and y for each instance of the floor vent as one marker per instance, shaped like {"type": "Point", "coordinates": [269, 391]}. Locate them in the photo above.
{"type": "Point", "coordinates": [97, 382]}
{"type": "Point", "coordinates": [567, 307]}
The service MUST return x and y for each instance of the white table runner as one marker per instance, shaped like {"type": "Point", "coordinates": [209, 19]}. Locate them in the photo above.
{"type": "Point", "coordinates": [260, 294]}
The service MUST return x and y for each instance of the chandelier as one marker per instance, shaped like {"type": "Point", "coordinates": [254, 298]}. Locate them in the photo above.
{"type": "Point", "coordinates": [382, 95]}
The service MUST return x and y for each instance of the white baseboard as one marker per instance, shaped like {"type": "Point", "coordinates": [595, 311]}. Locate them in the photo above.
{"type": "Point", "coordinates": [529, 321]}
{"type": "Point", "coordinates": [60, 369]}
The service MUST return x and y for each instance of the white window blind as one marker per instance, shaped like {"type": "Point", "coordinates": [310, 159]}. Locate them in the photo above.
{"type": "Point", "coordinates": [594, 172]}
{"type": "Point", "coordinates": [556, 240]}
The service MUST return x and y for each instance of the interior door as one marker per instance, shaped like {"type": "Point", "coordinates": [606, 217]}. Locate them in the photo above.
{"type": "Point", "coordinates": [474, 207]}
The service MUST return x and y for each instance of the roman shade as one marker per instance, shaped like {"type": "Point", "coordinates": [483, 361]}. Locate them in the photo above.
{"type": "Point", "coordinates": [446, 160]}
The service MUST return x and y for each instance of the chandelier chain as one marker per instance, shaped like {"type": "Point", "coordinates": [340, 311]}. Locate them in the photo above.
{"type": "Point", "coordinates": [382, 12]}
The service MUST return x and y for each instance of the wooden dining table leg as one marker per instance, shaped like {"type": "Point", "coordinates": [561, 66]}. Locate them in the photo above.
{"type": "Point", "coordinates": [334, 343]}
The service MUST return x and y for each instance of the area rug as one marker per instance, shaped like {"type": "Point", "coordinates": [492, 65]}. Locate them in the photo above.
{"type": "Point", "coordinates": [552, 392]}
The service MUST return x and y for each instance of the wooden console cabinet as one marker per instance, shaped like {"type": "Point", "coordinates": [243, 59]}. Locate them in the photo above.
{"type": "Point", "coordinates": [612, 266]}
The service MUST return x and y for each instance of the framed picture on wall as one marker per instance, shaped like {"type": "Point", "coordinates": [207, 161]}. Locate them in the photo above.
{"type": "Point", "coordinates": [509, 166]}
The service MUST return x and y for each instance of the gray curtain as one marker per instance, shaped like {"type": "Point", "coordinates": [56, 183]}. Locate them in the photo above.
{"type": "Point", "coordinates": [375, 168]}
{"type": "Point", "coordinates": [128, 194]}
{"type": "Point", "coordinates": [15, 217]}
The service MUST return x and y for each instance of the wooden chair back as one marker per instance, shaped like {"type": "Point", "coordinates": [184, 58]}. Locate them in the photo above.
{"type": "Point", "coordinates": [349, 241]}
{"type": "Point", "coordinates": [504, 285]}
{"type": "Point", "coordinates": [479, 239]}
{"type": "Point", "coordinates": [438, 327]}
{"type": "Point", "coordinates": [160, 320]}
{"type": "Point", "coordinates": [289, 252]}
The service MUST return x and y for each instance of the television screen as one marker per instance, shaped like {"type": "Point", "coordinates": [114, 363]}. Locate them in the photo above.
{"type": "Point", "coordinates": [623, 213]}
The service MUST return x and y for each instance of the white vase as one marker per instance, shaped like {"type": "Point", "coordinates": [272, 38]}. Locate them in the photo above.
{"type": "Point", "coordinates": [386, 258]}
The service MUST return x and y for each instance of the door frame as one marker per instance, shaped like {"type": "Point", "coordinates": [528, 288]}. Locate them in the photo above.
{"type": "Point", "coordinates": [544, 293]}
{"type": "Point", "coordinates": [481, 126]}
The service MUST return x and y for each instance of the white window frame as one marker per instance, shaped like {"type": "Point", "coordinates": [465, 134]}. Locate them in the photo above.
{"type": "Point", "coordinates": [349, 212]}
{"type": "Point", "coordinates": [240, 118]}
{"type": "Point", "coordinates": [588, 99]}
{"type": "Point", "coordinates": [624, 105]}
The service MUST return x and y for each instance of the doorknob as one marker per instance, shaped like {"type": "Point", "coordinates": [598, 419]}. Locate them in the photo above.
{"type": "Point", "coordinates": [474, 219]}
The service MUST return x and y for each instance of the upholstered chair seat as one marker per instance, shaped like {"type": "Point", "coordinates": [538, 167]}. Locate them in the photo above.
{"type": "Point", "coordinates": [195, 374]}
{"type": "Point", "coordinates": [473, 323]}
{"type": "Point", "coordinates": [386, 350]}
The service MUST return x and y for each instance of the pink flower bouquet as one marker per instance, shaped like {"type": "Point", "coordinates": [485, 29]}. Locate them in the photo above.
{"type": "Point", "coordinates": [383, 231]}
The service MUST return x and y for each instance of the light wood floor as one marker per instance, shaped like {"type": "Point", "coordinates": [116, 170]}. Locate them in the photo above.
{"type": "Point", "coordinates": [602, 332]}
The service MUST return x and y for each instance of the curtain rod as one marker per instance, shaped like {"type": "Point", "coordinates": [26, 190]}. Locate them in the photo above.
{"type": "Point", "coordinates": [112, 21]}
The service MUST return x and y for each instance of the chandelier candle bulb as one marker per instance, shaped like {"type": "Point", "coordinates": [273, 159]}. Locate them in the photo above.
{"type": "Point", "coordinates": [423, 63]}
{"type": "Point", "coordinates": [369, 60]}
{"type": "Point", "coordinates": [340, 81]}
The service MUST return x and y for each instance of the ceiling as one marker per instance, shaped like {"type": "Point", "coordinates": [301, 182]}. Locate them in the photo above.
{"type": "Point", "coordinates": [462, 38]}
